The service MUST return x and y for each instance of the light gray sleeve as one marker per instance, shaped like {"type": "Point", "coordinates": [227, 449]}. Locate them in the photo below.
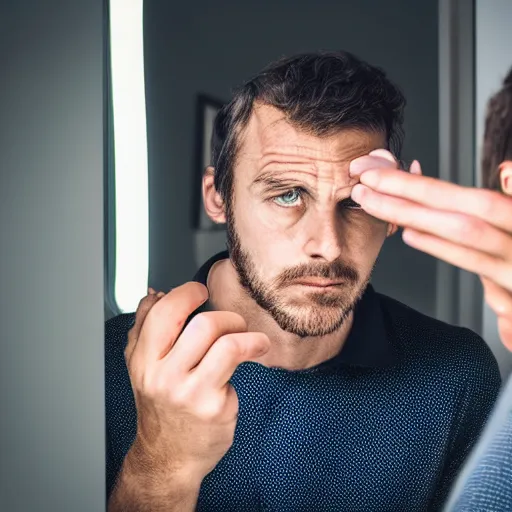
{"type": "Point", "coordinates": [485, 482]}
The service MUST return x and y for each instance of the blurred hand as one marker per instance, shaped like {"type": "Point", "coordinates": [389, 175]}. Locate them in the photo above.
{"type": "Point", "coordinates": [467, 227]}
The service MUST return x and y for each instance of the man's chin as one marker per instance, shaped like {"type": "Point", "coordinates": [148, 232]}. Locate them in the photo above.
{"type": "Point", "coordinates": [313, 321]}
{"type": "Point", "coordinates": [311, 332]}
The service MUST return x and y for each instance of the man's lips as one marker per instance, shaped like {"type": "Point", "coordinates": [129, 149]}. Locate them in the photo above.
{"type": "Point", "coordinates": [318, 283]}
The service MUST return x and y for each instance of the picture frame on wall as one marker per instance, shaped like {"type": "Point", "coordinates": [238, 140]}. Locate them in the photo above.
{"type": "Point", "coordinates": [207, 108]}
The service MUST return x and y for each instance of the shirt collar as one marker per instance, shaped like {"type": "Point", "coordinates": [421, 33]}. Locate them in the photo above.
{"type": "Point", "coordinates": [368, 343]}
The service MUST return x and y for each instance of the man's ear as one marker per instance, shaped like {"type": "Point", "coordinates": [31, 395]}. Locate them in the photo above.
{"type": "Point", "coordinates": [506, 177]}
{"type": "Point", "coordinates": [392, 229]}
{"type": "Point", "coordinates": [213, 203]}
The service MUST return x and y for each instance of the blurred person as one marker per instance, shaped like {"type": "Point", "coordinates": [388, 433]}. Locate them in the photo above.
{"type": "Point", "coordinates": [279, 379]}
{"type": "Point", "coordinates": [472, 229]}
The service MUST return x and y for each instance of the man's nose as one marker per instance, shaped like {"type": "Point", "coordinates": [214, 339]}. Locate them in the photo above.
{"type": "Point", "coordinates": [323, 240]}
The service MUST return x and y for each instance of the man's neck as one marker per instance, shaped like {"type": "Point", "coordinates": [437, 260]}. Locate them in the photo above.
{"type": "Point", "coordinates": [287, 351]}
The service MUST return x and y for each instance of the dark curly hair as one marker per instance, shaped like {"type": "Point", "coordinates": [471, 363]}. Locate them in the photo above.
{"type": "Point", "coordinates": [497, 146]}
{"type": "Point", "coordinates": [321, 93]}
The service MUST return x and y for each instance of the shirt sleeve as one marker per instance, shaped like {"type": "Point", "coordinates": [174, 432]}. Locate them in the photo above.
{"type": "Point", "coordinates": [486, 481]}
{"type": "Point", "coordinates": [483, 382]}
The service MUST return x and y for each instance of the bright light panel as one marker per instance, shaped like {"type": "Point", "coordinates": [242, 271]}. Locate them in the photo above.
{"type": "Point", "coordinates": [131, 159]}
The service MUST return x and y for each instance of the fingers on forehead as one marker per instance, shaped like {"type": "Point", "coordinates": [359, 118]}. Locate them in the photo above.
{"type": "Point", "coordinates": [374, 162]}
{"type": "Point", "coordinates": [384, 154]}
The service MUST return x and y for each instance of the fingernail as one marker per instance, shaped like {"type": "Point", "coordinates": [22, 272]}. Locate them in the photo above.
{"type": "Point", "coordinates": [416, 168]}
{"type": "Point", "coordinates": [358, 192]}
{"type": "Point", "coordinates": [151, 291]}
{"type": "Point", "coordinates": [160, 295]}
{"type": "Point", "coordinates": [357, 166]}
{"type": "Point", "coordinates": [384, 153]}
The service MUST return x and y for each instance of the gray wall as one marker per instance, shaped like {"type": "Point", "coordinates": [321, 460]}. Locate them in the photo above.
{"type": "Point", "coordinates": [209, 47]}
{"type": "Point", "coordinates": [51, 257]}
{"type": "Point", "coordinates": [493, 60]}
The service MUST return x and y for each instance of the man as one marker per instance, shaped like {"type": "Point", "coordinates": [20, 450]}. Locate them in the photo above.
{"type": "Point", "coordinates": [295, 386]}
{"type": "Point", "coordinates": [472, 229]}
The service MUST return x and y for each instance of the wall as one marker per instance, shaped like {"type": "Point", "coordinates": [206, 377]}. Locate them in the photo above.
{"type": "Point", "coordinates": [207, 47]}
{"type": "Point", "coordinates": [51, 257]}
{"type": "Point", "coordinates": [493, 60]}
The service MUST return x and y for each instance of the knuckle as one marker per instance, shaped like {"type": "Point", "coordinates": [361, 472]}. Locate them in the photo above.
{"type": "Point", "coordinates": [469, 228]}
{"type": "Point", "coordinates": [181, 396]}
{"type": "Point", "coordinates": [230, 347]}
{"type": "Point", "coordinates": [153, 384]}
{"type": "Point", "coordinates": [205, 324]}
{"type": "Point", "coordinates": [209, 411]}
{"type": "Point", "coordinates": [488, 203]}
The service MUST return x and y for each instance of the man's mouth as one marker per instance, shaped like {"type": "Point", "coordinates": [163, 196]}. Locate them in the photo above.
{"type": "Point", "coordinates": [317, 282]}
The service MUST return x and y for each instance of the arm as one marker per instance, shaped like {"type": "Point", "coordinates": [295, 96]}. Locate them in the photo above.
{"type": "Point", "coordinates": [139, 488]}
{"type": "Point", "coordinates": [169, 419]}
{"type": "Point", "coordinates": [133, 484]}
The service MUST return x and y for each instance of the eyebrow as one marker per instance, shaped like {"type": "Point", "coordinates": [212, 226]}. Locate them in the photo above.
{"type": "Point", "coordinates": [270, 181]}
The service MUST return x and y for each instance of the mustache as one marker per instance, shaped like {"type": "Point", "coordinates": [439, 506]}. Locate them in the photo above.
{"type": "Point", "coordinates": [334, 271]}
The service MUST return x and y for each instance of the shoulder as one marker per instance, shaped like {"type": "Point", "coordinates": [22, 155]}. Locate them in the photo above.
{"type": "Point", "coordinates": [116, 330]}
{"type": "Point", "coordinates": [116, 338]}
{"type": "Point", "coordinates": [121, 412]}
{"type": "Point", "coordinates": [484, 483]}
{"type": "Point", "coordinates": [451, 348]}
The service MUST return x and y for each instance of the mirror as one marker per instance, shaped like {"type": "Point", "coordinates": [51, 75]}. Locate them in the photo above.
{"type": "Point", "coordinates": [314, 423]}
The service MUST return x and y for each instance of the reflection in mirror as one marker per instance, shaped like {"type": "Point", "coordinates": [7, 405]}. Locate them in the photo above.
{"type": "Point", "coordinates": [493, 60]}
{"type": "Point", "coordinates": [291, 359]}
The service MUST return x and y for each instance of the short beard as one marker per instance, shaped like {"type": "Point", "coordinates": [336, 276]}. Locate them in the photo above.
{"type": "Point", "coordinates": [326, 312]}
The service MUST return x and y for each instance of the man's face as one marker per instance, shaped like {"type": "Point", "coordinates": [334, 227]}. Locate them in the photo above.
{"type": "Point", "coordinates": [302, 248]}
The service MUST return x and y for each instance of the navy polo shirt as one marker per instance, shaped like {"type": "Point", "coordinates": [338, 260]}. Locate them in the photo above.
{"type": "Point", "coordinates": [383, 426]}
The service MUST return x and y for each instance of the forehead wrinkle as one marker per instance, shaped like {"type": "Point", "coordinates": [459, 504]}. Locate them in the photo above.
{"type": "Point", "coordinates": [270, 124]}
{"type": "Point", "coordinates": [274, 178]}
{"type": "Point", "coordinates": [307, 171]}
{"type": "Point", "coordinates": [269, 138]}
{"type": "Point", "coordinates": [299, 152]}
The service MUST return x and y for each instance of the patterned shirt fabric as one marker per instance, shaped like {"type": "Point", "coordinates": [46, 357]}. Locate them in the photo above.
{"type": "Point", "coordinates": [383, 426]}
{"type": "Point", "coordinates": [485, 485]}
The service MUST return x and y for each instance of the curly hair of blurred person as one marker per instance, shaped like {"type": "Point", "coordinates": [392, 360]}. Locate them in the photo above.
{"type": "Point", "coordinates": [497, 146]}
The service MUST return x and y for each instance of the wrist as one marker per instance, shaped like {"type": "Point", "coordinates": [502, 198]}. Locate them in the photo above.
{"type": "Point", "coordinates": [158, 470]}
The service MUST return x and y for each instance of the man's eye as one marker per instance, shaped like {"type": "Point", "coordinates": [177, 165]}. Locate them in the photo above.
{"type": "Point", "coordinates": [350, 203]}
{"type": "Point", "coordinates": [290, 198]}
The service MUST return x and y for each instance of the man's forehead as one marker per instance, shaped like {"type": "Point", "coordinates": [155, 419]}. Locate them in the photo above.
{"type": "Point", "coordinates": [269, 132]}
